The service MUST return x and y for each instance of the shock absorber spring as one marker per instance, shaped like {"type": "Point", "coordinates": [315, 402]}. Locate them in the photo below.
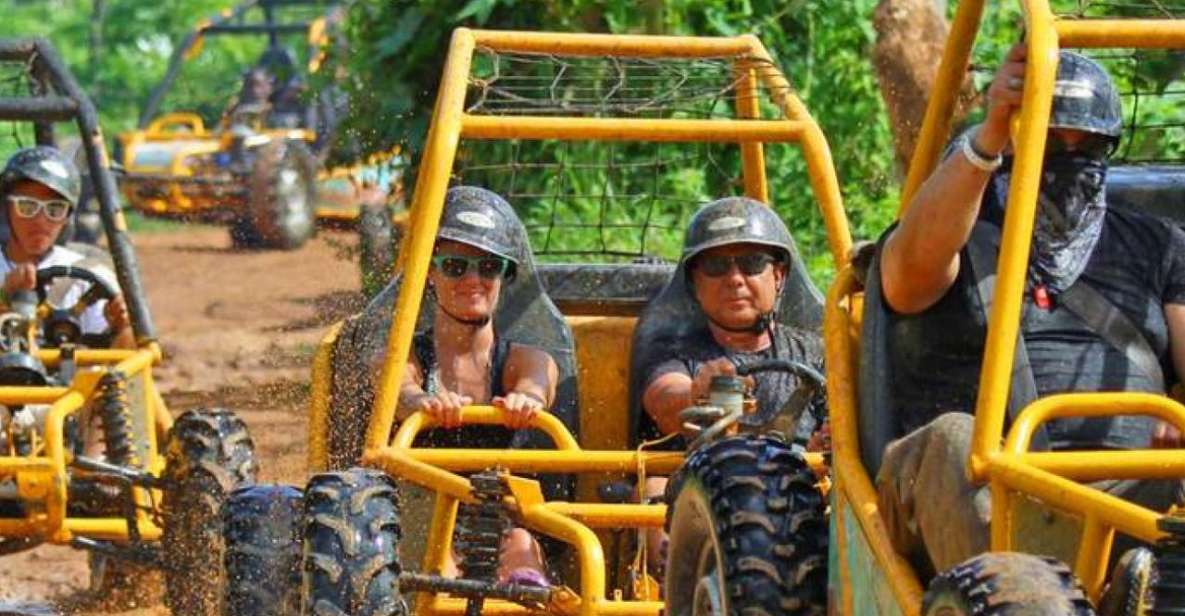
{"type": "Point", "coordinates": [480, 529]}
{"type": "Point", "coordinates": [116, 416]}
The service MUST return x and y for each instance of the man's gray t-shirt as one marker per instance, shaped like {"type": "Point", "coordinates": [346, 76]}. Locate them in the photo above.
{"type": "Point", "coordinates": [772, 389]}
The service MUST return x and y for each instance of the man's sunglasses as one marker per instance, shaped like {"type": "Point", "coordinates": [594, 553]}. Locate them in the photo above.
{"type": "Point", "coordinates": [455, 266]}
{"type": "Point", "coordinates": [750, 264]}
{"type": "Point", "coordinates": [27, 207]}
{"type": "Point", "coordinates": [1097, 146]}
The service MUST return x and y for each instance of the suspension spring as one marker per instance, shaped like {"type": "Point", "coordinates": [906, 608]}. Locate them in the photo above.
{"type": "Point", "coordinates": [116, 415]}
{"type": "Point", "coordinates": [480, 529]}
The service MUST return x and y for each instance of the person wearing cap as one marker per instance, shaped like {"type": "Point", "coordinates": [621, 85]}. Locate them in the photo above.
{"type": "Point", "coordinates": [39, 187]}
{"type": "Point", "coordinates": [461, 360]}
{"type": "Point", "coordinates": [736, 257]}
{"type": "Point", "coordinates": [1087, 261]}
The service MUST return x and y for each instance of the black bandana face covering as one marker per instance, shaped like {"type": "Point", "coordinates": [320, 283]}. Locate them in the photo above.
{"type": "Point", "coordinates": [1070, 211]}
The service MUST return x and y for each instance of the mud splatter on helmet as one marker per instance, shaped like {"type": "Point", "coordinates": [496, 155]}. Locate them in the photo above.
{"type": "Point", "coordinates": [482, 219]}
{"type": "Point", "coordinates": [45, 165]}
{"type": "Point", "coordinates": [735, 220]}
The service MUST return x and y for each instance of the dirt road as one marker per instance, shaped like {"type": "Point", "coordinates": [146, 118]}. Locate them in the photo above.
{"type": "Point", "coordinates": [238, 330]}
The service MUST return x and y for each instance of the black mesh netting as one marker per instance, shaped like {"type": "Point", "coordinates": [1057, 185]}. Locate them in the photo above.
{"type": "Point", "coordinates": [624, 200]}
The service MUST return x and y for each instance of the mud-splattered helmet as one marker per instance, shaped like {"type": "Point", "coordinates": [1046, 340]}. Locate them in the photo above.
{"type": "Point", "coordinates": [1085, 98]}
{"type": "Point", "coordinates": [482, 219]}
{"type": "Point", "coordinates": [45, 165]}
{"type": "Point", "coordinates": [735, 220]}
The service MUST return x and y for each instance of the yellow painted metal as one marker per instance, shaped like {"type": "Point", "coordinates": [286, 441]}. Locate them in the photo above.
{"type": "Point", "coordinates": [602, 363]}
{"type": "Point", "coordinates": [1094, 552]}
{"type": "Point", "coordinates": [599, 515]}
{"type": "Point", "coordinates": [416, 250]}
{"type": "Point", "coordinates": [1133, 33]}
{"type": "Point", "coordinates": [548, 461]}
{"type": "Point", "coordinates": [13, 395]}
{"type": "Point", "coordinates": [1098, 465]}
{"type": "Point", "coordinates": [609, 44]}
{"type": "Point", "coordinates": [589, 554]}
{"type": "Point", "coordinates": [752, 153]}
{"type": "Point", "coordinates": [110, 528]}
{"type": "Point", "coordinates": [956, 57]}
{"type": "Point", "coordinates": [399, 463]}
{"type": "Point", "coordinates": [320, 398]}
{"type": "Point", "coordinates": [1093, 405]}
{"type": "Point", "coordinates": [456, 607]}
{"type": "Point", "coordinates": [439, 550]}
{"type": "Point", "coordinates": [165, 126]}
{"type": "Point", "coordinates": [851, 480]}
{"type": "Point", "coordinates": [1072, 496]}
{"type": "Point", "coordinates": [631, 129]}
{"type": "Point", "coordinates": [1004, 319]}
{"type": "Point", "coordinates": [490, 416]}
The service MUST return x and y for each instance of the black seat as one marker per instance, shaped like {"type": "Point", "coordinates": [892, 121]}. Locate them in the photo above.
{"type": "Point", "coordinates": [1158, 190]}
{"type": "Point", "coordinates": [525, 315]}
{"type": "Point", "coordinates": [674, 314]}
{"type": "Point", "coordinates": [877, 422]}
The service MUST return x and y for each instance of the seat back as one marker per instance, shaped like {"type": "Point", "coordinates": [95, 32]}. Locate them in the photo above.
{"type": "Point", "coordinates": [876, 421]}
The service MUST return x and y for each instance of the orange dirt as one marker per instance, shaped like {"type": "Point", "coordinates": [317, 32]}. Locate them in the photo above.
{"type": "Point", "coordinates": [238, 329]}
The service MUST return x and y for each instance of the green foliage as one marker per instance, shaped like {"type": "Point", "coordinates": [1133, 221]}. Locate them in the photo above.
{"type": "Point", "coordinates": [822, 46]}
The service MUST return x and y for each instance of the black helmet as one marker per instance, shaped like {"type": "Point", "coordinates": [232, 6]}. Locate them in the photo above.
{"type": "Point", "coordinates": [735, 220]}
{"type": "Point", "coordinates": [45, 165]}
{"type": "Point", "coordinates": [482, 219]}
{"type": "Point", "coordinates": [1085, 98]}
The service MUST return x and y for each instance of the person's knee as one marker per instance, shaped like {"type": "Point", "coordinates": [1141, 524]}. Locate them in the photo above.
{"type": "Point", "coordinates": [519, 540]}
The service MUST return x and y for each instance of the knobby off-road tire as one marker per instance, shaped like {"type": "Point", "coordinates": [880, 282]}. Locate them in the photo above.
{"type": "Point", "coordinates": [208, 453]}
{"type": "Point", "coordinates": [351, 534]}
{"type": "Point", "coordinates": [1006, 584]}
{"type": "Point", "coordinates": [282, 194]}
{"type": "Point", "coordinates": [748, 532]}
{"type": "Point", "coordinates": [261, 528]}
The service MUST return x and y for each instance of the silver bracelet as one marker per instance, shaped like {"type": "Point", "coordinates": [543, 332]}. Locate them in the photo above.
{"type": "Point", "coordinates": [977, 160]}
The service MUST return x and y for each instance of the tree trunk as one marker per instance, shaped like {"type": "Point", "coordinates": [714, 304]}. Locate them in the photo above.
{"type": "Point", "coordinates": [910, 38]}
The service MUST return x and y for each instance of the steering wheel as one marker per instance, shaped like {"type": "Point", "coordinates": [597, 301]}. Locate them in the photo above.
{"type": "Point", "coordinates": [812, 382]}
{"type": "Point", "coordinates": [64, 323]}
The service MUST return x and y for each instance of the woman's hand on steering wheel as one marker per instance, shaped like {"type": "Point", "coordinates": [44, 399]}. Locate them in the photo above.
{"type": "Point", "coordinates": [22, 277]}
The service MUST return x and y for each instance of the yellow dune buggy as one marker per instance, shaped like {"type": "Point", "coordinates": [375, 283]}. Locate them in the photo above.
{"type": "Point", "coordinates": [261, 166]}
{"type": "Point", "coordinates": [1052, 535]}
{"type": "Point", "coordinates": [90, 456]}
{"type": "Point", "coordinates": [619, 140]}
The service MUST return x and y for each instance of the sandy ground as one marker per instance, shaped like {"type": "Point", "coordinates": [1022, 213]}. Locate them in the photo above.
{"type": "Point", "coordinates": [238, 330]}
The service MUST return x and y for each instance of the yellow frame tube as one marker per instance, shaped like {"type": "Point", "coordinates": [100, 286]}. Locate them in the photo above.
{"type": "Point", "coordinates": [815, 150]}
{"type": "Point", "coordinates": [547, 460]}
{"type": "Point", "coordinates": [1004, 320]}
{"type": "Point", "coordinates": [944, 95]}
{"type": "Point", "coordinates": [752, 153]}
{"type": "Point", "coordinates": [489, 416]}
{"type": "Point", "coordinates": [602, 515]}
{"type": "Point", "coordinates": [631, 129]}
{"type": "Point", "coordinates": [581, 44]}
{"type": "Point", "coordinates": [456, 607]}
{"type": "Point", "coordinates": [589, 553]}
{"type": "Point", "coordinates": [320, 398]}
{"type": "Point", "coordinates": [1134, 33]}
{"type": "Point", "coordinates": [416, 249]}
{"type": "Point", "coordinates": [851, 479]}
{"type": "Point", "coordinates": [1091, 405]}
{"type": "Point", "coordinates": [1068, 495]}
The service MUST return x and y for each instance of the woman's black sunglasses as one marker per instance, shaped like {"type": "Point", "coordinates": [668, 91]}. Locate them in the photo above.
{"type": "Point", "coordinates": [751, 264]}
{"type": "Point", "coordinates": [455, 266]}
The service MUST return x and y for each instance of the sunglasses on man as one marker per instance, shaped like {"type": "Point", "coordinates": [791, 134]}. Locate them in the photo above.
{"type": "Point", "coordinates": [456, 266]}
{"type": "Point", "coordinates": [55, 210]}
{"type": "Point", "coordinates": [749, 264]}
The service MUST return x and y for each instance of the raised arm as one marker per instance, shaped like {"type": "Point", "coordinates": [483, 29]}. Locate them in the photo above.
{"type": "Point", "coordinates": [921, 256]}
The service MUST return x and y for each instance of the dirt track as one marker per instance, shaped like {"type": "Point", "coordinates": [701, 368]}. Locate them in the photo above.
{"type": "Point", "coordinates": [238, 329]}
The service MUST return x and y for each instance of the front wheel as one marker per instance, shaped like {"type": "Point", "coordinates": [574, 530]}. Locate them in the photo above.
{"type": "Point", "coordinates": [351, 538]}
{"type": "Point", "coordinates": [282, 195]}
{"type": "Point", "coordinates": [748, 532]}
{"type": "Point", "coordinates": [208, 453]}
{"type": "Point", "coordinates": [1006, 584]}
